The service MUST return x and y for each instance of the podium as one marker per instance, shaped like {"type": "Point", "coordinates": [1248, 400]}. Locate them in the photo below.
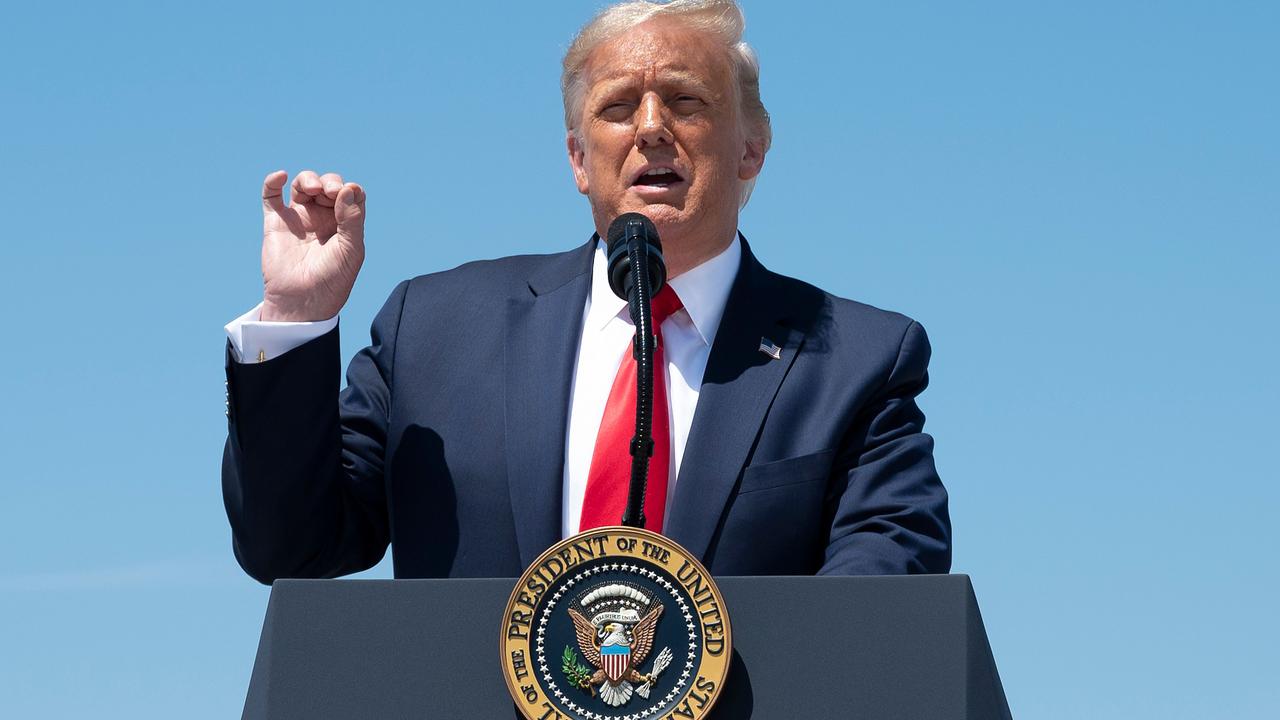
{"type": "Point", "coordinates": [827, 648]}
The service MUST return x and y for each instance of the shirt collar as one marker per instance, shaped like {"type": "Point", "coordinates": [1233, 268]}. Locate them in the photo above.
{"type": "Point", "coordinates": [704, 290]}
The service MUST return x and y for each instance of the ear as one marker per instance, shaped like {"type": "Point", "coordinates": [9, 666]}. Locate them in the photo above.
{"type": "Point", "coordinates": [576, 156]}
{"type": "Point", "coordinates": [752, 160]}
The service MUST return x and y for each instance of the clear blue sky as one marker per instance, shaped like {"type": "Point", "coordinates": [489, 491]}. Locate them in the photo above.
{"type": "Point", "coordinates": [1080, 202]}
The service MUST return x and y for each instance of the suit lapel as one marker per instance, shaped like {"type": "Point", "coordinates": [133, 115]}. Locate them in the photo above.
{"type": "Point", "coordinates": [542, 334]}
{"type": "Point", "coordinates": [738, 388]}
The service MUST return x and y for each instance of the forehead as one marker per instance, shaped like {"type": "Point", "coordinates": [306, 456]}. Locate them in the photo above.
{"type": "Point", "coordinates": [661, 50]}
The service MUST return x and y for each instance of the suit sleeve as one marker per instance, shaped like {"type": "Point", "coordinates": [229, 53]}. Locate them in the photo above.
{"type": "Point", "coordinates": [302, 469]}
{"type": "Point", "coordinates": [889, 508]}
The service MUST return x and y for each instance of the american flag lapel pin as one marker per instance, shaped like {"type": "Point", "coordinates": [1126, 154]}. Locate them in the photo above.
{"type": "Point", "coordinates": [768, 348]}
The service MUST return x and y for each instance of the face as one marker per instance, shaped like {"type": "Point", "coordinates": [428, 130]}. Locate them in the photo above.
{"type": "Point", "coordinates": [661, 133]}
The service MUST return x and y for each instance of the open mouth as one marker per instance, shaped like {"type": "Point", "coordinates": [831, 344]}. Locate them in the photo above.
{"type": "Point", "coordinates": [658, 178]}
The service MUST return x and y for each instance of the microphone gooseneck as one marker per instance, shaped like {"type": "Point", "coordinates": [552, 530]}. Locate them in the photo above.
{"type": "Point", "coordinates": [636, 273]}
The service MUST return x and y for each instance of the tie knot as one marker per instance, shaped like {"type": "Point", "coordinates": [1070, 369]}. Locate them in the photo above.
{"type": "Point", "coordinates": [665, 304]}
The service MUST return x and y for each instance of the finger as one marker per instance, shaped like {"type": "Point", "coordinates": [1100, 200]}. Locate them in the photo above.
{"type": "Point", "coordinates": [306, 186]}
{"type": "Point", "coordinates": [332, 183]}
{"type": "Point", "coordinates": [349, 213]}
{"type": "Point", "coordinates": [273, 191]}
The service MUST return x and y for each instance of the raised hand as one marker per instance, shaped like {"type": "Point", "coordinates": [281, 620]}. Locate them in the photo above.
{"type": "Point", "coordinates": [312, 248]}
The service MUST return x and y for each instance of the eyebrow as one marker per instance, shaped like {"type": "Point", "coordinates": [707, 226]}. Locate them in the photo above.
{"type": "Point", "coordinates": [613, 82]}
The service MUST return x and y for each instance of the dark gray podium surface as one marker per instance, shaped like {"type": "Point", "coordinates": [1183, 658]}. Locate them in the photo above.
{"type": "Point", "coordinates": [825, 647]}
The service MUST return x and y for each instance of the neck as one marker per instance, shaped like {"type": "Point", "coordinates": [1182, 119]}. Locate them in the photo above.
{"type": "Point", "coordinates": [685, 254]}
{"type": "Point", "coordinates": [684, 251]}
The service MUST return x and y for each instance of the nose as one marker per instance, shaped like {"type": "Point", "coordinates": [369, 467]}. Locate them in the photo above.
{"type": "Point", "coordinates": [651, 127]}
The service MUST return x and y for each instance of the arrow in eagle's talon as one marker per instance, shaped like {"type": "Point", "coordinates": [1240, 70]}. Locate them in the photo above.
{"type": "Point", "coordinates": [664, 659]}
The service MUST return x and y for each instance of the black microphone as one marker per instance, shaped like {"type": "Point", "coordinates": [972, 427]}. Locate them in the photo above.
{"type": "Point", "coordinates": [636, 273]}
{"type": "Point", "coordinates": [630, 230]}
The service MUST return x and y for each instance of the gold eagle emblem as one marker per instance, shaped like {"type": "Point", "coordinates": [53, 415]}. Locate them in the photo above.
{"type": "Point", "coordinates": [615, 687]}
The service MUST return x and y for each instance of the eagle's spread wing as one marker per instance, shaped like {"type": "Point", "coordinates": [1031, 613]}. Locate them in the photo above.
{"type": "Point", "coordinates": [586, 633]}
{"type": "Point", "coordinates": [643, 634]}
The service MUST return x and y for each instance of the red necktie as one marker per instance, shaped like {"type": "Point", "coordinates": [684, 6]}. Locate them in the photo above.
{"type": "Point", "coordinates": [610, 476]}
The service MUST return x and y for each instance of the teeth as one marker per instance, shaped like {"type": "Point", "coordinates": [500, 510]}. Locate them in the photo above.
{"type": "Point", "coordinates": [658, 171]}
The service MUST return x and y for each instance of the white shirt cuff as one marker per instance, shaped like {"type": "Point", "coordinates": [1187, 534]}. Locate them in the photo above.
{"type": "Point", "coordinates": [264, 340]}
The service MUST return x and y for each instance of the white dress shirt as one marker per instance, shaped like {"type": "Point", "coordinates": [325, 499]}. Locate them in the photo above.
{"type": "Point", "coordinates": [606, 336]}
{"type": "Point", "coordinates": [266, 339]}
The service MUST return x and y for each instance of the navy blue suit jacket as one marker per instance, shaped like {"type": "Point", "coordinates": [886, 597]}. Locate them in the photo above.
{"type": "Point", "coordinates": [448, 442]}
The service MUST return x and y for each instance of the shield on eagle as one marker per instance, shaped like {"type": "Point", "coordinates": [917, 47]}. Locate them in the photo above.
{"type": "Point", "coordinates": [614, 660]}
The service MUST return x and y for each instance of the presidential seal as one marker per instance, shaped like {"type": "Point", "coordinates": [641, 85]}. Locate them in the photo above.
{"type": "Point", "coordinates": [617, 623]}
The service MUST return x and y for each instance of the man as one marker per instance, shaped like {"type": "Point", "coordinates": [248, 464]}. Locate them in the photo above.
{"type": "Point", "coordinates": [481, 423]}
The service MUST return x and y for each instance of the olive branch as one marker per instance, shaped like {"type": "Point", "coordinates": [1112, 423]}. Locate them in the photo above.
{"type": "Point", "coordinates": [579, 675]}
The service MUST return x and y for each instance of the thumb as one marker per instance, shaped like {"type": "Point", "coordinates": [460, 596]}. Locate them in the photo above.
{"type": "Point", "coordinates": [273, 192]}
{"type": "Point", "coordinates": [348, 211]}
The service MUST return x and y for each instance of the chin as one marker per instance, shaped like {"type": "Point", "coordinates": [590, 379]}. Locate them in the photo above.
{"type": "Point", "coordinates": [669, 219]}
{"type": "Point", "coordinates": [671, 222]}
{"type": "Point", "coordinates": [673, 210]}
{"type": "Point", "coordinates": [662, 214]}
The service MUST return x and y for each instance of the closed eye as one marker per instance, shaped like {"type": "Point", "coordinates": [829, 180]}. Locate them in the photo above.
{"type": "Point", "coordinates": [617, 111]}
{"type": "Point", "coordinates": [686, 103]}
